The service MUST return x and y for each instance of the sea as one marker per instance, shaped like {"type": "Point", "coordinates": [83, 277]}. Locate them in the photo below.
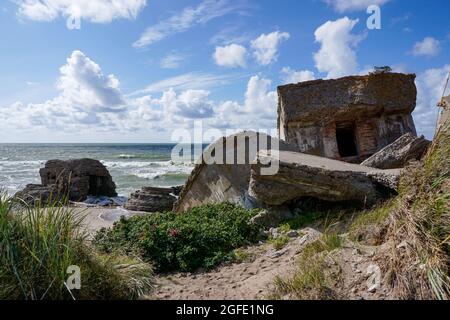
{"type": "Point", "coordinates": [131, 166]}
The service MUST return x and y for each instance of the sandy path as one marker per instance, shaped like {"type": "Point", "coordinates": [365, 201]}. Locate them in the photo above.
{"type": "Point", "coordinates": [247, 280]}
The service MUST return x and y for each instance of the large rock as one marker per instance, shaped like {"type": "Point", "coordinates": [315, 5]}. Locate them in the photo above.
{"type": "Point", "coordinates": [74, 180]}
{"type": "Point", "coordinates": [151, 199]}
{"type": "Point", "coordinates": [37, 194]}
{"type": "Point", "coordinates": [301, 175]}
{"type": "Point", "coordinates": [396, 155]}
{"type": "Point", "coordinates": [214, 181]}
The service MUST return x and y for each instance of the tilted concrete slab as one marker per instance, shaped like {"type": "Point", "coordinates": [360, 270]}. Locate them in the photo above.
{"type": "Point", "coordinates": [302, 175]}
{"type": "Point", "coordinates": [212, 182]}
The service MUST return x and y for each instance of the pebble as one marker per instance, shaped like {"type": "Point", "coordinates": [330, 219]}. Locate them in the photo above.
{"type": "Point", "coordinates": [292, 234]}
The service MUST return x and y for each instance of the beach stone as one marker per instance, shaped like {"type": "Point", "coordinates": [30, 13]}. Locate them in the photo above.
{"type": "Point", "coordinates": [78, 178]}
{"type": "Point", "coordinates": [37, 194]}
{"type": "Point", "coordinates": [72, 180]}
{"type": "Point", "coordinates": [152, 199]}
{"type": "Point", "coordinates": [292, 234]}
{"type": "Point", "coordinates": [271, 217]}
{"type": "Point", "coordinates": [396, 155]}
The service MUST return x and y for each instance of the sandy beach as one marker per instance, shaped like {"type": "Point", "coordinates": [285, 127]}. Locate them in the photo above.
{"type": "Point", "coordinates": [97, 217]}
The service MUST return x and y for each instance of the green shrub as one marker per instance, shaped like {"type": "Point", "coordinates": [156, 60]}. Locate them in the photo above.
{"type": "Point", "coordinates": [241, 255]}
{"type": "Point", "coordinates": [202, 237]}
{"type": "Point", "coordinates": [37, 245]}
{"type": "Point", "coordinates": [279, 242]}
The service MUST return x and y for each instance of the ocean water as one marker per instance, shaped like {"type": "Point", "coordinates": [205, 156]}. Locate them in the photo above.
{"type": "Point", "coordinates": [132, 166]}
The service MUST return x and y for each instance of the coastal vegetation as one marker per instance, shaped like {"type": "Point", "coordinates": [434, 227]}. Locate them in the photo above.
{"type": "Point", "coordinates": [40, 245]}
{"type": "Point", "coordinates": [410, 235]}
{"type": "Point", "coordinates": [202, 237]}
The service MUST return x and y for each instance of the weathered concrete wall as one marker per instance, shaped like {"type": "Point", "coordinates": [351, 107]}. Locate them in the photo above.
{"type": "Point", "coordinates": [302, 175]}
{"type": "Point", "coordinates": [379, 105]}
{"type": "Point", "coordinates": [392, 127]}
{"type": "Point", "coordinates": [444, 114]}
{"type": "Point", "coordinates": [214, 183]}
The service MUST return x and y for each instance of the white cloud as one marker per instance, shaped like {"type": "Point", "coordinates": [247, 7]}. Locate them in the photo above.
{"type": "Point", "coordinates": [90, 102]}
{"type": "Point", "coordinates": [289, 75]}
{"type": "Point", "coordinates": [430, 85]}
{"type": "Point", "coordinates": [336, 55]}
{"type": "Point", "coordinates": [189, 17]}
{"type": "Point", "coordinates": [82, 83]}
{"type": "Point", "coordinates": [86, 95]}
{"type": "Point", "coordinates": [427, 47]}
{"type": "Point", "coordinates": [191, 104]}
{"type": "Point", "coordinates": [266, 47]}
{"type": "Point", "coordinates": [342, 6]}
{"type": "Point", "coordinates": [172, 61]}
{"type": "Point", "coordinates": [98, 11]}
{"type": "Point", "coordinates": [258, 110]}
{"type": "Point", "coordinates": [229, 35]}
{"type": "Point", "coordinates": [259, 99]}
{"type": "Point", "coordinates": [233, 55]}
{"type": "Point", "coordinates": [187, 81]}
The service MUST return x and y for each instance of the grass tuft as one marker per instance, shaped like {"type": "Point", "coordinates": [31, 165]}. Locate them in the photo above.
{"type": "Point", "coordinates": [37, 246]}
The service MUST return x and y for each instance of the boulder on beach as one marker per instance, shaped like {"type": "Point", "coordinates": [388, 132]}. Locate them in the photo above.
{"type": "Point", "coordinates": [152, 199]}
{"type": "Point", "coordinates": [37, 194]}
{"type": "Point", "coordinates": [72, 179]}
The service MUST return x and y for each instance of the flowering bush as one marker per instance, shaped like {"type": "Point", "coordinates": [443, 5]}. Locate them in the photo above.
{"type": "Point", "coordinates": [202, 237]}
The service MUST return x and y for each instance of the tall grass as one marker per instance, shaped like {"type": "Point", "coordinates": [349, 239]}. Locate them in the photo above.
{"type": "Point", "coordinates": [38, 244]}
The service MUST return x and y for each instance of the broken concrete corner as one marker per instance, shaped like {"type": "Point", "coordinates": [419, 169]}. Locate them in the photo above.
{"type": "Point", "coordinates": [397, 155]}
{"type": "Point", "coordinates": [223, 171]}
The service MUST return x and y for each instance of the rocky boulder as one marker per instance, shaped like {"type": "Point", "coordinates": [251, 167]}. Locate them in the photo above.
{"type": "Point", "coordinates": [37, 194]}
{"type": "Point", "coordinates": [301, 175]}
{"type": "Point", "coordinates": [396, 155]}
{"type": "Point", "coordinates": [151, 199]}
{"type": "Point", "coordinates": [72, 180]}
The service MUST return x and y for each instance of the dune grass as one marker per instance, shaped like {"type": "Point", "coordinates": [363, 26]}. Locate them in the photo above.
{"type": "Point", "coordinates": [37, 246]}
{"type": "Point", "coordinates": [310, 280]}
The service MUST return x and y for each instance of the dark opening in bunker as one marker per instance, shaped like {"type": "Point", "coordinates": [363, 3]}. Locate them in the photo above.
{"type": "Point", "coordinates": [346, 139]}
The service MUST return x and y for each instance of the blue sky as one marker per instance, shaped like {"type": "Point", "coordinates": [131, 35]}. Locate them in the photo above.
{"type": "Point", "coordinates": [138, 71]}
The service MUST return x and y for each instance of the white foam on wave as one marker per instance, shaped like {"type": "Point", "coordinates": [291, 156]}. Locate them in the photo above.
{"type": "Point", "coordinates": [150, 169]}
{"type": "Point", "coordinates": [126, 156]}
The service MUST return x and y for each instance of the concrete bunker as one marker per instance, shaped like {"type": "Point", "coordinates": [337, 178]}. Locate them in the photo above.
{"type": "Point", "coordinates": [347, 119]}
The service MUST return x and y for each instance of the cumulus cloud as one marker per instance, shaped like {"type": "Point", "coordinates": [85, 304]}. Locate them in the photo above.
{"type": "Point", "coordinates": [191, 104]}
{"type": "Point", "coordinates": [430, 85]}
{"type": "Point", "coordinates": [82, 83]}
{"type": "Point", "coordinates": [189, 17]}
{"type": "Point", "coordinates": [231, 56]}
{"type": "Point", "coordinates": [266, 47]}
{"type": "Point", "coordinates": [91, 101]}
{"type": "Point", "coordinates": [85, 96]}
{"type": "Point", "coordinates": [342, 6]}
{"type": "Point", "coordinates": [289, 75]}
{"type": "Point", "coordinates": [258, 110]}
{"type": "Point", "coordinates": [336, 55]}
{"type": "Point", "coordinates": [97, 11]}
{"type": "Point", "coordinates": [427, 47]}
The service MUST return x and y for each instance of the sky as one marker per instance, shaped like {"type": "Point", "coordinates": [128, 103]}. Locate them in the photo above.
{"type": "Point", "coordinates": [134, 71]}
